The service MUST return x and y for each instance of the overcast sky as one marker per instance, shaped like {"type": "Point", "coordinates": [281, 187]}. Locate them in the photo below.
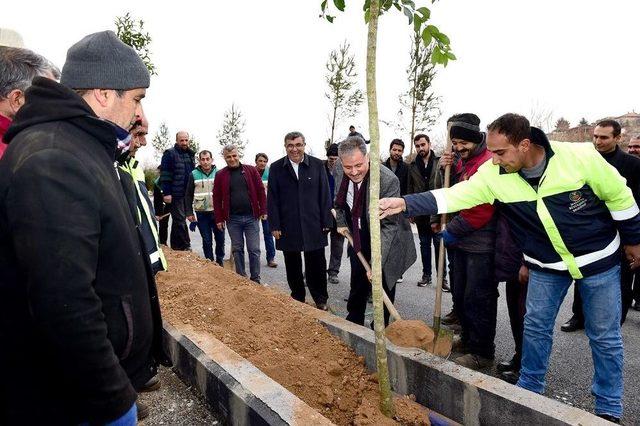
{"type": "Point", "coordinates": [574, 58]}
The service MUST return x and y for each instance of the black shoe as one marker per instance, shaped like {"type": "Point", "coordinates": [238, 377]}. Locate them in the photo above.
{"type": "Point", "coordinates": [143, 410]}
{"type": "Point", "coordinates": [510, 376]}
{"type": "Point", "coordinates": [636, 306]}
{"type": "Point", "coordinates": [451, 320]}
{"type": "Point", "coordinates": [445, 287]}
{"type": "Point", "coordinates": [511, 365]}
{"type": "Point", "coordinates": [425, 281]}
{"type": "Point", "coordinates": [152, 385]}
{"type": "Point", "coordinates": [609, 418]}
{"type": "Point", "coordinates": [322, 306]}
{"type": "Point", "coordinates": [572, 325]}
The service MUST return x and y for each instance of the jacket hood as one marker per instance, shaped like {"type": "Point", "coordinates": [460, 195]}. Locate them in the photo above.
{"type": "Point", "coordinates": [48, 101]}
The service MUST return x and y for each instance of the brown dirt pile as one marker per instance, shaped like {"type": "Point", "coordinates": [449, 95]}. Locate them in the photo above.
{"type": "Point", "coordinates": [280, 337]}
{"type": "Point", "coordinates": [417, 334]}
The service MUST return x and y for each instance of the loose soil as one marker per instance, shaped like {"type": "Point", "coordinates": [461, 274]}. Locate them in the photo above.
{"type": "Point", "coordinates": [417, 334]}
{"type": "Point", "coordinates": [280, 337]}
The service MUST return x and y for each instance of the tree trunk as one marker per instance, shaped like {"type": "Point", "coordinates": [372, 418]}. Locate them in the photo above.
{"type": "Point", "coordinates": [333, 124]}
{"type": "Point", "coordinates": [386, 400]}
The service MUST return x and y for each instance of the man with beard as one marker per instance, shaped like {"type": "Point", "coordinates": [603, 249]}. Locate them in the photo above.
{"type": "Point", "coordinates": [472, 234]}
{"type": "Point", "coordinates": [421, 177]}
{"type": "Point", "coordinates": [175, 168]}
{"type": "Point", "coordinates": [397, 165]}
{"type": "Point", "coordinates": [337, 240]}
{"type": "Point", "coordinates": [79, 308]}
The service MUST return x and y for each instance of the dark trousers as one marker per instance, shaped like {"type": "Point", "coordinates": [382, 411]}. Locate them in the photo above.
{"type": "Point", "coordinates": [163, 228]}
{"type": "Point", "coordinates": [337, 247]}
{"type": "Point", "coordinates": [360, 289]}
{"type": "Point", "coordinates": [207, 227]}
{"type": "Point", "coordinates": [315, 270]}
{"type": "Point", "coordinates": [626, 292]}
{"type": "Point", "coordinates": [476, 296]}
{"type": "Point", "coordinates": [516, 304]}
{"type": "Point", "coordinates": [179, 231]}
{"type": "Point", "coordinates": [427, 240]}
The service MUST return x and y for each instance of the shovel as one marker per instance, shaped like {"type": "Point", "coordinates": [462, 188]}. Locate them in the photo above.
{"type": "Point", "coordinates": [442, 336]}
{"type": "Point", "coordinates": [440, 347]}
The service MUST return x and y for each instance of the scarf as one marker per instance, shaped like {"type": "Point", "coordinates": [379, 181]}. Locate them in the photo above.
{"type": "Point", "coordinates": [359, 195]}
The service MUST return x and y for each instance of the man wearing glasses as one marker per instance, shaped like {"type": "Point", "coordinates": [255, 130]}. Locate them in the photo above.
{"type": "Point", "coordinates": [299, 211]}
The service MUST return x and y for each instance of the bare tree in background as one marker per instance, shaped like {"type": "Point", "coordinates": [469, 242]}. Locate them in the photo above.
{"type": "Point", "coordinates": [541, 116]}
{"type": "Point", "coordinates": [345, 98]}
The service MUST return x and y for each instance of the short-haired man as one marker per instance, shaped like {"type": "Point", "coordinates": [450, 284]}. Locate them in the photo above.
{"type": "Point", "coordinates": [76, 288]}
{"type": "Point", "coordinates": [175, 168]}
{"type": "Point", "coordinates": [606, 137]}
{"type": "Point", "coordinates": [352, 132]}
{"type": "Point", "coordinates": [569, 211]}
{"type": "Point", "coordinates": [19, 67]}
{"type": "Point", "coordinates": [269, 244]}
{"type": "Point", "coordinates": [396, 164]}
{"type": "Point", "coordinates": [352, 215]}
{"type": "Point", "coordinates": [634, 146]}
{"type": "Point", "coordinates": [337, 239]}
{"type": "Point", "coordinates": [422, 176]}
{"type": "Point", "coordinates": [200, 200]}
{"type": "Point", "coordinates": [300, 218]}
{"type": "Point", "coordinates": [239, 202]}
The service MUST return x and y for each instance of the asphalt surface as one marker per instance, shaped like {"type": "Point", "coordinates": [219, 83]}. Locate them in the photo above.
{"type": "Point", "coordinates": [570, 369]}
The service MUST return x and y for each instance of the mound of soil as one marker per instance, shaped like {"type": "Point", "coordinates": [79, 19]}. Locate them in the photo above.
{"type": "Point", "coordinates": [417, 334]}
{"type": "Point", "coordinates": [280, 337]}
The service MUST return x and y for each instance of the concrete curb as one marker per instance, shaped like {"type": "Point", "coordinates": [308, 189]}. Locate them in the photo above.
{"type": "Point", "coordinates": [461, 394]}
{"type": "Point", "coordinates": [235, 388]}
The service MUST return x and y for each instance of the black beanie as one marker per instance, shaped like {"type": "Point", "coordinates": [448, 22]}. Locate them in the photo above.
{"type": "Point", "coordinates": [332, 151]}
{"type": "Point", "coordinates": [466, 127]}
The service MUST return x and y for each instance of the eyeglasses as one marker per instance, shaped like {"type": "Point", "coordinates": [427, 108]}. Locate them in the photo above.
{"type": "Point", "coordinates": [296, 145]}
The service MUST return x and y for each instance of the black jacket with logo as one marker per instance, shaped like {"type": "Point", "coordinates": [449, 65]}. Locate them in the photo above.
{"type": "Point", "coordinates": [80, 322]}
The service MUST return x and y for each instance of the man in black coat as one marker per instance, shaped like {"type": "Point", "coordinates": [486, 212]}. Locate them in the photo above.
{"type": "Point", "coordinates": [79, 314]}
{"type": "Point", "coordinates": [299, 211]}
{"type": "Point", "coordinates": [606, 137]}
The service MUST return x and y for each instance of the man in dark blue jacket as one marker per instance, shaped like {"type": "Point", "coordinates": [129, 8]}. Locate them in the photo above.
{"type": "Point", "coordinates": [175, 168]}
{"type": "Point", "coordinates": [299, 210]}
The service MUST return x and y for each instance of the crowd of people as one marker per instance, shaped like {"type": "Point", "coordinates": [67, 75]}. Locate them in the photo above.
{"type": "Point", "coordinates": [81, 239]}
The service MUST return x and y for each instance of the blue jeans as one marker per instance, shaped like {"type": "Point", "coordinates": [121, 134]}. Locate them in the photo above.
{"type": "Point", "coordinates": [130, 418]}
{"type": "Point", "coordinates": [207, 226]}
{"type": "Point", "coordinates": [269, 244]}
{"type": "Point", "coordinates": [601, 305]}
{"type": "Point", "coordinates": [241, 227]}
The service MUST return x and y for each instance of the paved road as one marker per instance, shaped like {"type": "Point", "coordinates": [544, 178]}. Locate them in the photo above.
{"type": "Point", "coordinates": [571, 367]}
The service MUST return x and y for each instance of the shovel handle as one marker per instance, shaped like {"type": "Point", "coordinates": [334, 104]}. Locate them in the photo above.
{"type": "Point", "coordinates": [387, 302]}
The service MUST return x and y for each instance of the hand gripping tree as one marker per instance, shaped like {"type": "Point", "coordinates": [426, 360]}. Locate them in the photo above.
{"type": "Point", "coordinates": [441, 55]}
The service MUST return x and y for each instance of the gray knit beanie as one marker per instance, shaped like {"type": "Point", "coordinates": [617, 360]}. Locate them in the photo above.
{"type": "Point", "coordinates": [102, 61]}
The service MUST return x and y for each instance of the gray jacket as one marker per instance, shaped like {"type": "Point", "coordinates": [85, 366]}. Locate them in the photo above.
{"type": "Point", "coordinates": [395, 231]}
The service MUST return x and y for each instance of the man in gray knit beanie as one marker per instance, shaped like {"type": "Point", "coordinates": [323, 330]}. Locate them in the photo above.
{"type": "Point", "coordinates": [92, 305]}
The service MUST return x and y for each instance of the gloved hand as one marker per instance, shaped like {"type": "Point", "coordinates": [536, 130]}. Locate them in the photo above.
{"type": "Point", "coordinates": [193, 226]}
{"type": "Point", "coordinates": [448, 238]}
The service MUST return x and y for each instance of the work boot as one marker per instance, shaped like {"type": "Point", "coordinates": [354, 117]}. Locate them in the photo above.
{"type": "Point", "coordinates": [451, 319]}
{"type": "Point", "coordinates": [459, 346]}
{"type": "Point", "coordinates": [143, 410]}
{"type": "Point", "coordinates": [473, 361]}
{"type": "Point", "coordinates": [333, 279]}
{"type": "Point", "coordinates": [609, 418]}
{"type": "Point", "coordinates": [573, 324]}
{"type": "Point", "coordinates": [152, 385]}
{"type": "Point", "coordinates": [512, 365]}
{"type": "Point", "coordinates": [272, 264]}
{"type": "Point", "coordinates": [510, 376]}
{"type": "Point", "coordinates": [425, 281]}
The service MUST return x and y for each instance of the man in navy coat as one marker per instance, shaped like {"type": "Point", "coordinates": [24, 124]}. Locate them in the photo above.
{"type": "Point", "coordinates": [299, 211]}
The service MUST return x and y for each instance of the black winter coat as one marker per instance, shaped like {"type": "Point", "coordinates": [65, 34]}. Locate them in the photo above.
{"type": "Point", "coordinates": [299, 208]}
{"type": "Point", "coordinates": [402, 173]}
{"type": "Point", "coordinates": [80, 322]}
